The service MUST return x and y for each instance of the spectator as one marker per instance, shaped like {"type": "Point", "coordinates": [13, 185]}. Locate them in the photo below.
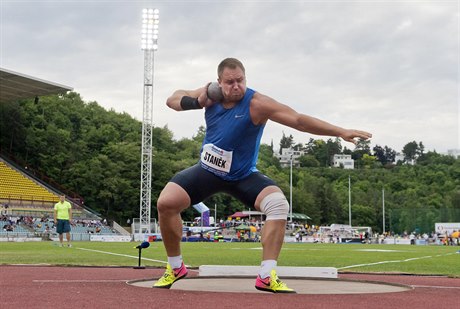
{"type": "Point", "coordinates": [62, 218]}
{"type": "Point", "coordinates": [426, 238]}
{"type": "Point", "coordinates": [412, 239]}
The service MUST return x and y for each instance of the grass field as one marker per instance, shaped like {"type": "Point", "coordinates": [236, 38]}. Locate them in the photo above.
{"type": "Point", "coordinates": [433, 260]}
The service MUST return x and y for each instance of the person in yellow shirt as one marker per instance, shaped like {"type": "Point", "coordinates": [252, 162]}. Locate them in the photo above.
{"type": "Point", "coordinates": [62, 218]}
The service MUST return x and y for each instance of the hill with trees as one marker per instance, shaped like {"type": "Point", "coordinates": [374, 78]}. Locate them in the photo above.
{"type": "Point", "coordinates": [96, 153]}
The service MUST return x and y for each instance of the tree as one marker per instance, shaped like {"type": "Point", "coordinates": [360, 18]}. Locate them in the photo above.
{"type": "Point", "coordinates": [421, 149]}
{"type": "Point", "coordinates": [390, 154]}
{"type": "Point", "coordinates": [323, 151]}
{"type": "Point", "coordinates": [199, 137]}
{"type": "Point", "coordinates": [11, 127]}
{"type": "Point", "coordinates": [379, 153]}
{"type": "Point", "coordinates": [266, 157]}
{"type": "Point", "coordinates": [410, 150]}
{"type": "Point", "coordinates": [361, 148]}
{"type": "Point", "coordinates": [363, 215]}
{"type": "Point", "coordinates": [326, 199]}
{"type": "Point", "coordinates": [368, 161]}
{"type": "Point", "coordinates": [308, 161]}
{"type": "Point", "coordinates": [286, 142]}
{"type": "Point", "coordinates": [347, 151]}
{"type": "Point", "coordinates": [310, 146]}
{"type": "Point", "coordinates": [384, 155]}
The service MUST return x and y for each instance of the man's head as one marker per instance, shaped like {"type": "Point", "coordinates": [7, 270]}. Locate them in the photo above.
{"type": "Point", "coordinates": [62, 198]}
{"type": "Point", "coordinates": [232, 79]}
{"type": "Point", "coordinates": [230, 63]}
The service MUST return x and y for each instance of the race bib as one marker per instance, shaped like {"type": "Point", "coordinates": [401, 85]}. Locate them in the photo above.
{"type": "Point", "coordinates": [216, 158]}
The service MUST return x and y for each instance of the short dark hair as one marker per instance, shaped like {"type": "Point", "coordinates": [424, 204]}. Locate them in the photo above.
{"type": "Point", "coordinates": [231, 63]}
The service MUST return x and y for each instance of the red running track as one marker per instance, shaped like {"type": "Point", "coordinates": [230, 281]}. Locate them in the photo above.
{"type": "Point", "coordinates": [106, 287]}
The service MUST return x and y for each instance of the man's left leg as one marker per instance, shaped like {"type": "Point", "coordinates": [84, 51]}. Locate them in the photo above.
{"type": "Point", "coordinates": [273, 204]}
{"type": "Point", "coordinates": [68, 239]}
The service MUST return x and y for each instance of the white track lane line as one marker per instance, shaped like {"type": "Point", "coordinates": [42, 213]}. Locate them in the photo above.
{"type": "Point", "coordinates": [435, 287]}
{"type": "Point", "coordinates": [394, 261]}
{"type": "Point", "coordinates": [79, 281]}
{"type": "Point", "coordinates": [130, 256]}
{"type": "Point", "coordinates": [124, 255]}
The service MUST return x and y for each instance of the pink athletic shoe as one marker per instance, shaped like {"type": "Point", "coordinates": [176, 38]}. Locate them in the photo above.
{"type": "Point", "coordinates": [170, 276]}
{"type": "Point", "coordinates": [272, 284]}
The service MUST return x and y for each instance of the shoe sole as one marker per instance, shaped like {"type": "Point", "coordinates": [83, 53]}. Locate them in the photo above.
{"type": "Point", "coordinates": [170, 285]}
{"type": "Point", "coordinates": [273, 291]}
{"type": "Point", "coordinates": [265, 290]}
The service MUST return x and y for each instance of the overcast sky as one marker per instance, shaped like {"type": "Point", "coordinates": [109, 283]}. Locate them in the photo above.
{"type": "Point", "coordinates": [387, 67]}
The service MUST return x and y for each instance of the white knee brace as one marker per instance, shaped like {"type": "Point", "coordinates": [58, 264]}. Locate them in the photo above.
{"type": "Point", "coordinates": [275, 206]}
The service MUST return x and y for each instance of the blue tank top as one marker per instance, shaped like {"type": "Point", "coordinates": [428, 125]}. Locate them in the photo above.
{"type": "Point", "coordinates": [231, 144]}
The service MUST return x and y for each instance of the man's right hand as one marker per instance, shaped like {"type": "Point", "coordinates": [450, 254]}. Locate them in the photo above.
{"type": "Point", "coordinates": [174, 101]}
{"type": "Point", "coordinates": [203, 97]}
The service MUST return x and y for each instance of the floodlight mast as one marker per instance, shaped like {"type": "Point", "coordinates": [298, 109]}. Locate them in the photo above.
{"type": "Point", "coordinates": [150, 21]}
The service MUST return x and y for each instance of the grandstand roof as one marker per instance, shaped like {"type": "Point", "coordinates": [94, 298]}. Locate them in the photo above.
{"type": "Point", "coordinates": [16, 86]}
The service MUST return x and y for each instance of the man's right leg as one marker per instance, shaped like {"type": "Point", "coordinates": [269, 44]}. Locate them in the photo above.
{"type": "Point", "coordinates": [172, 201]}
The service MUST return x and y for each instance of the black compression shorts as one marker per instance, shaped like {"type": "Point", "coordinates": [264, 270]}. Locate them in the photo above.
{"type": "Point", "coordinates": [201, 184]}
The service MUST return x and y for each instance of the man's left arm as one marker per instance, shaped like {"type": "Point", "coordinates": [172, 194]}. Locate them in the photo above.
{"type": "Point", "coordinates": [264, 108]}
{"type": "Point", "coordinates": [70, 214]}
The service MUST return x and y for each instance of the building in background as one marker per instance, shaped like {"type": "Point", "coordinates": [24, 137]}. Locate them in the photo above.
{"type": "Point", "coordinates": [343, 160]}
{"type": "Point", "coordinates": [401, 157]}
{"type": "Point", "coordinates": [286, 154]}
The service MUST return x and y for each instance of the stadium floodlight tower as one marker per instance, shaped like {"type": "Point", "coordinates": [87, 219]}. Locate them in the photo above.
{"type": "Point", "coordinates": [150, 21]}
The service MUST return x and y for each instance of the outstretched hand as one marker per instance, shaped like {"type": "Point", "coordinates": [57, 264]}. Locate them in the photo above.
{"type": "Point", "coordinates": [350, 135]}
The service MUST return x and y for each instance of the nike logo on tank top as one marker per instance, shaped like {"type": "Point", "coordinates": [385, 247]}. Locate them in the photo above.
{"type": "Point", "coordinates": [231, 144]}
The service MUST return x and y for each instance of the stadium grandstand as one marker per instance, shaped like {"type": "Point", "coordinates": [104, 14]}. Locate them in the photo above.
{"type": "Point", "coordinates": [16, 86]}
{"type": "Point", "coordinates": [16, 186]}
{"type": "Point", "coordinates": [27, 201]}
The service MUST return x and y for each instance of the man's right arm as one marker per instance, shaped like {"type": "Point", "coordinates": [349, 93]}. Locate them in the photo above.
{"type": "Point", "coordinates": [174, 101]}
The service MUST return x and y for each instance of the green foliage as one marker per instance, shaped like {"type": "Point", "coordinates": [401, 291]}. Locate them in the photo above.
{"type": "Point", "coordinates": [320, 153]}
{"type": "Point", "coordinates": [96, 153]}
{"type": "Point", "coordinates": [413, 150]}
{"type": "Point", "coordinates": [266, 157]}
{"type": "Point", "coordinates": [368, 161]}
{"type": "Point", "coordinates": [308, 161]}
{"type": "Point", "coordinates": [286, 142]}
{"type": "Point", "coordinates": [384, 155]}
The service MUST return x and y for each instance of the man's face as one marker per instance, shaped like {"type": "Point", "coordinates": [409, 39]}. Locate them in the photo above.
{"type": "Point", "coordinates": [62, 198]}
{"type": "Point", "coordinates": [233, 83]}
